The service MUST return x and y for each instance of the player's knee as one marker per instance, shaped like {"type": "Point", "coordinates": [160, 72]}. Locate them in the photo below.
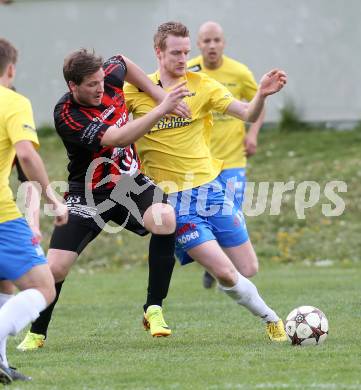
{"type": "Point", "coordinates": [250, 270]}
{"type": "Point", "coordinates": [168, 219]}
{"type": "Point", "coordinates": [59, 271]}
{"type": "Point", "coordinates": [160, 219]}
{"type": "Point", "coordinates": [50, 294]}
{"type": "Point", "coordinates": [47, 289]}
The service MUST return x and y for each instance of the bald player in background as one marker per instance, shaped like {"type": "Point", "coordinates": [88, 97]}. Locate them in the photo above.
{"type": "Point", "coordinates": [229, 140]}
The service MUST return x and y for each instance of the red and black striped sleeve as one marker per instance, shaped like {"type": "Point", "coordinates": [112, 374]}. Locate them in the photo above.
{"type": "Point", "coordinates": [115, 70]}
{"type": "Point", "coordinates": [76, 127]}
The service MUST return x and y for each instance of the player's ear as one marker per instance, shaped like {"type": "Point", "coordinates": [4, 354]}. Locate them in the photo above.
{"type": "Point", "coordinates": [71, 86]}
{"type": "Point", "coordinates": [11, 70]}
{"type": "Point", "coordinates": [157, 52]}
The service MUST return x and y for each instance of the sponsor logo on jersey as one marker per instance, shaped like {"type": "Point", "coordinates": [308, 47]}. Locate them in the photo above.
{"type": "Point", "coordinates": [104, 115]}
{"type": "Point", "coordinates": [91, 131]}
{"type": "Point", "coordinates": [122, 120]}
{"type": "Point", "coordinates": [113, 60]}
{"type": "Point", "coordinates": [28, 127]}
{"type": "Point", "coordinates": [229, 85]}
{"type": "Point", "coordinates": [172, 123]}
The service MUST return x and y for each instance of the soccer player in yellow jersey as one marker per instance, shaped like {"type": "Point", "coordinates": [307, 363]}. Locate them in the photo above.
{"type": "Point", "coordinates": [228, 139]}
{"type": "Point", "coordinates": [175, 154]}
{"type": "Point", "coordinates": [21, 258]}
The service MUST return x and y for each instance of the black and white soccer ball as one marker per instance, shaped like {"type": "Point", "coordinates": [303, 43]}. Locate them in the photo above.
{"type": "Point", "coordinates": [306, 325]}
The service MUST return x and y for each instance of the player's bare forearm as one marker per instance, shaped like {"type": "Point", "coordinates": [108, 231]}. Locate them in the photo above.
{"type": "Point", "coordinates": [32, 208]}
{"type": "Point", "coordinates": [248, 112]}
{"type": "Point", "coordinates": [255, 107]}
{"type": "Point", "coordinates": [131, 131]}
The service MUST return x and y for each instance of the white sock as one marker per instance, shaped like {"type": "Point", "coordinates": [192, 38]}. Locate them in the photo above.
{"type": "Point", "coordinates": [3, 299]}
{"type": "Point", "coordinates": [20, 310]}
{"type": "Point", "coordinates": [245, 293]}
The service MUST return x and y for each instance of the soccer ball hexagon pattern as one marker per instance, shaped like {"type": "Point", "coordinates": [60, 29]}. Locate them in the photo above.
{"type": "Point", "coordinates": [306, 325]}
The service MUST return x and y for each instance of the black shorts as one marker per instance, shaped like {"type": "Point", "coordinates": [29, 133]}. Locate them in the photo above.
{"type": "Point", "coordinates": [90, 212]}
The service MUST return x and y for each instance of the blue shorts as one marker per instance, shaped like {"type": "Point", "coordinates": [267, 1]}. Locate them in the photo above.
{"type": "Point", "coordinates": [234, 180]}
{"type": "Point", "coordinates": [19, 252]}
{"type": "Point", "coordinates": [205, 213]}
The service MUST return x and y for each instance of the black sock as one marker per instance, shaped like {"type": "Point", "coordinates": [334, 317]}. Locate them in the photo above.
{"type": "Point", "coordinates": [161, 264]}
{"type": "Point", "coordinates": [40, 325]}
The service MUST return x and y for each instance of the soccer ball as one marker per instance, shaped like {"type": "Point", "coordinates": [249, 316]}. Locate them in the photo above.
{"type": "Point", "coordinates": [306, 325]}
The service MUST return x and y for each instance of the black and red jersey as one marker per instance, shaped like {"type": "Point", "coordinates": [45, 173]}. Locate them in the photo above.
{"type": "Point", "coordinates": [81, 129]}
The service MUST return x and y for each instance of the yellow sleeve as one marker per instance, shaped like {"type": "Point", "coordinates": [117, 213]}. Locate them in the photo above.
{"type": "Point", "coordinates": [219, 97]}
{"type": "Point", "coordinates": [249, 85]}
{"type": "Point", "coordinates": [138, 102]}
{"type": "Point", "coordinates": [19, 122]}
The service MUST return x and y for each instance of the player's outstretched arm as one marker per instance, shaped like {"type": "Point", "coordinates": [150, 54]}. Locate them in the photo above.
{"type": "Point", "coordinates": [270, 83]}
{"type": "Point", "coordinates": [133, 130]}
{"type": "Point", "coordinates": [34, 170]}
{"type": "Point", "coordinates": [137, 77]}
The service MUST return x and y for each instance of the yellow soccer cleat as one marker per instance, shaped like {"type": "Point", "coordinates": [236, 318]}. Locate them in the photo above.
{"type": "Point", "coordinates": [276, 331]}
{"type": "Point", "coordinates": [31, 342]}
{"type": "Point", "coordinates": [153, 320]}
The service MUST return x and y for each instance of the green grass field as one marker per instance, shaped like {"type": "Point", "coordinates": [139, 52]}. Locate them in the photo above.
{"type": "Point", "coordinates": [96, 340]}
